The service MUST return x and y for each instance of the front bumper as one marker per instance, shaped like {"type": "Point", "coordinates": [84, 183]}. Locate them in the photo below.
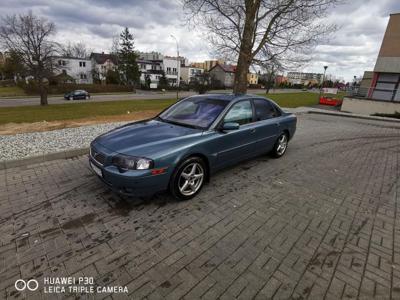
{"type": "Point", "coordinates": [134, 182]}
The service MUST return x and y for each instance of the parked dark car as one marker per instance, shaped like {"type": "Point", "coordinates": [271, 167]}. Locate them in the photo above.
{"type": "Point", "coordinates": [185, 144]}
{"type": "Point", "coordinates": [76, 95]}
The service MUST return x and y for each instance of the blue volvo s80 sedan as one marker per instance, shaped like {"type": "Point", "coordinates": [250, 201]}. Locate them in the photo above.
{"type": "Point", "coordinates": [180, 148]}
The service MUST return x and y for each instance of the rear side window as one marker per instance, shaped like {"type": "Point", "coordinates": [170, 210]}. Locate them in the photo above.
{"type": "Point", "coordinates": [264, 110]}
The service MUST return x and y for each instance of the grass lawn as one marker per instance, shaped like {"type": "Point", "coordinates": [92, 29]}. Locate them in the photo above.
{"type": "Point", "coordinates": [11, 91]}
{"type": "Point", "coordinates": [292, 100]}
{"type": "Point", "coordinates": [73, 111]}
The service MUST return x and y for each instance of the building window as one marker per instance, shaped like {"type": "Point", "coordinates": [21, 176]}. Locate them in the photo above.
{"type": "Point", "coordinates": [387, 87]}
{"type": "Point", "coordinates": [168, 70]}
{"type": "Point", "coordinates": [82, 64]}
{"type": "Point", "coordinates": [83, 76]}
{"type": "Point", "coordinates": [61, 62]}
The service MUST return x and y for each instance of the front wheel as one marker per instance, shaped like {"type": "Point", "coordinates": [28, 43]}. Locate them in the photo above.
{"type": "Point", "coordinates": [280, 146]}
{"type": "Point", "coordinates": [188, 179]}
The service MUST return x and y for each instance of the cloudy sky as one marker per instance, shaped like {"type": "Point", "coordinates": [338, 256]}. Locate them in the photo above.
{"type": "Point", "coordinates": [350, 51]}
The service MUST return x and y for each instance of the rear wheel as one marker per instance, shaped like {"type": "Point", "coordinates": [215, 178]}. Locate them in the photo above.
{"type": "Point", "coordinates": [188, 178]}
{"type": "Point", "coordinates": [281, 145]}
{"type": "Point", "coordinates": [70, 98]}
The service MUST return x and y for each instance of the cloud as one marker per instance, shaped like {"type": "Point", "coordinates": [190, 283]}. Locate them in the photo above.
{"type": "Point", "coordinates": [348, 52]}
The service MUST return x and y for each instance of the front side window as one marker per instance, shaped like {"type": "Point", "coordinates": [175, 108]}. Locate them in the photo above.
{"type": "Point", "coordinates": [240, 112]}
{"type": "Point", "coordinates": [264, 110]}
{"type": "Point", "coordinates": [198, 112]}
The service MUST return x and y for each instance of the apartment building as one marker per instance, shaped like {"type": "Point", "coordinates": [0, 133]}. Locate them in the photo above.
{"type": "Point", "coordinates": [252, 78]}
{"type": "Point", "coordinates": [188, 74]}
{"type": "Point", "coordinates": [80, 69]}
{"type": "Point", "coordinates": [304, 78]}
{"type": "Point", "coordinates": [150, 64]}
{"type": "Point", "coordinates": [102, 63]}
{"type": "Point", "coordinates": [172, 69]}
{"type": "Point", "coordinates": [207, 65]}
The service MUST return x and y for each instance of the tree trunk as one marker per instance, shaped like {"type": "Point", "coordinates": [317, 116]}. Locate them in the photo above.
{"type": "Point", "coordinates": [246, 47]}
{"type": "Point", "coordinates": [240, 85]}
{"type": "Point", "coordinates": [43, 93]}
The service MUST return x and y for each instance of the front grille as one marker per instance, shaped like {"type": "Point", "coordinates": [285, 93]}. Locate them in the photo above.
{"type": "Point", "coordinates": [97, 156]}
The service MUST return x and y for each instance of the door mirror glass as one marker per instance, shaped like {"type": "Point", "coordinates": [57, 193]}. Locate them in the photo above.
{"type": "Point", "coordinates": [230, 126]}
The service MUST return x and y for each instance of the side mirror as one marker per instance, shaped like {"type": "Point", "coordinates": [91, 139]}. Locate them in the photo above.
{"type": "Point", "coordinates": [230, 126]}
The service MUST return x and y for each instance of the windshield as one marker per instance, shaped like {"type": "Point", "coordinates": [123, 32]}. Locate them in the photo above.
{"type": "Point", "coordinates": [195, 112]}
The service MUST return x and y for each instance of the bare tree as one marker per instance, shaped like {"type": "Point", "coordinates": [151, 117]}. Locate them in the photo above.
{"type": "Point", "coordinates": [78, 50]}
{"type": "Point", "coordinates": [29, 36]}
{"type": "Point", "coordinates": [259, 31]}
{"type": "Point", "coordinates": [270, 70]}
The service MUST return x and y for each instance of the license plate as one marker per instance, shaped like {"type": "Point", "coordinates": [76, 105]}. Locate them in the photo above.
{"type": "Point", "coordinates": [96, 170]}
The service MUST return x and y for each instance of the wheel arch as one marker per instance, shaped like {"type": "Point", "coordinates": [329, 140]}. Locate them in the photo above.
{"type": "Point", "coordinates": [287, 132]}
{"type": "Point", "coordinates": [196, 154]}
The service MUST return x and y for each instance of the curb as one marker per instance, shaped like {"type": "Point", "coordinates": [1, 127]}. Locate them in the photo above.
{"type": "Point", "coordinates": [374, 118]}
{"type": "Point", "coordinates": [8, 164]}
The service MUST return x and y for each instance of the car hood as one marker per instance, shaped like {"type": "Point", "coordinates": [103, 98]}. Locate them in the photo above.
{"type": "Point", "coordinates": [145, 137]}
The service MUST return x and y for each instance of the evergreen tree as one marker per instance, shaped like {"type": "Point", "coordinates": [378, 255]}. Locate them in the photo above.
{"type": "Point", "coordinates": [147, 81]}
{"type": "Point", "coordinates": [127, 65]}
{"type": "Point", "coordinates": [163, 81]}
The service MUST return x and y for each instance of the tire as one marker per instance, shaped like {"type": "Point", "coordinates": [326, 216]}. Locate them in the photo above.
{"type": "Point", "coordinates": [281, 145]}
{"type": "Point", "coordinates": [187, 186]}
{"type": "Point", "coordinates": [70, 98]}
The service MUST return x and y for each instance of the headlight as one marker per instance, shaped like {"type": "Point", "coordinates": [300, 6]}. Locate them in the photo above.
{"type": "Point", "coordinates": [125, 162]}
{"type": "Point", "coordinates": [143, 164]}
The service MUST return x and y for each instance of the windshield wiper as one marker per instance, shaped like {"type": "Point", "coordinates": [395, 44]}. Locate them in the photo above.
{"type": "Point", "coordinates": [178, 123]}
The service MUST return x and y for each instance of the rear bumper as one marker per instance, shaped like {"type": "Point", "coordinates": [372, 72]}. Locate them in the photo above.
{"type": "Point", "coordinates": [135, 183]}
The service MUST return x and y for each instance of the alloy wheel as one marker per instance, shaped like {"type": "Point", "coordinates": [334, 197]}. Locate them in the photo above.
{"type": "Point", "coordinates": [282, 144]}
{"type": "Point", "coordinates": [191, 179]}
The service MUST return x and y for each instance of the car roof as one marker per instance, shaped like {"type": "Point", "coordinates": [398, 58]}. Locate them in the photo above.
{"type": "Point", "coordinates": [228, 97]}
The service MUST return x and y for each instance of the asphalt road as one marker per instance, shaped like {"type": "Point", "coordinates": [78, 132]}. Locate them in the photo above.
{"type": "Point", "coordinates": [319, 223]}
{"type": "Point", "coordinates": [140, 95]}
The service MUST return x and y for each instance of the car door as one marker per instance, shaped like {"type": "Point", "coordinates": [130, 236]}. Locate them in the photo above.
{"type": "Point", "coordinates": [236, 145]}
{"type": "Point", "coordinates": [75, 95]}
{"type": "Point", "coordinates": [81, 95]}
{"type": "Point", "coordinates": [266, 124]}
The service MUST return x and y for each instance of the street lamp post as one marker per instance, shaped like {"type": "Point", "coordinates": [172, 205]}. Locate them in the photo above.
{"type": "Point", "coordinates": [322, 85]}
{"type": "Point", "coordinates": [177, 66]}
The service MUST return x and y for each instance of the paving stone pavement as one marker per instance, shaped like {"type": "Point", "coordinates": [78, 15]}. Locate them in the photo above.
{"type": "Point", "coordinates": [321, 222]}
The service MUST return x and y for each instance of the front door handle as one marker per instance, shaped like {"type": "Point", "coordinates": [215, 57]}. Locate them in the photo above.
{"type": "Point", "coordinates": [253, 130]}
